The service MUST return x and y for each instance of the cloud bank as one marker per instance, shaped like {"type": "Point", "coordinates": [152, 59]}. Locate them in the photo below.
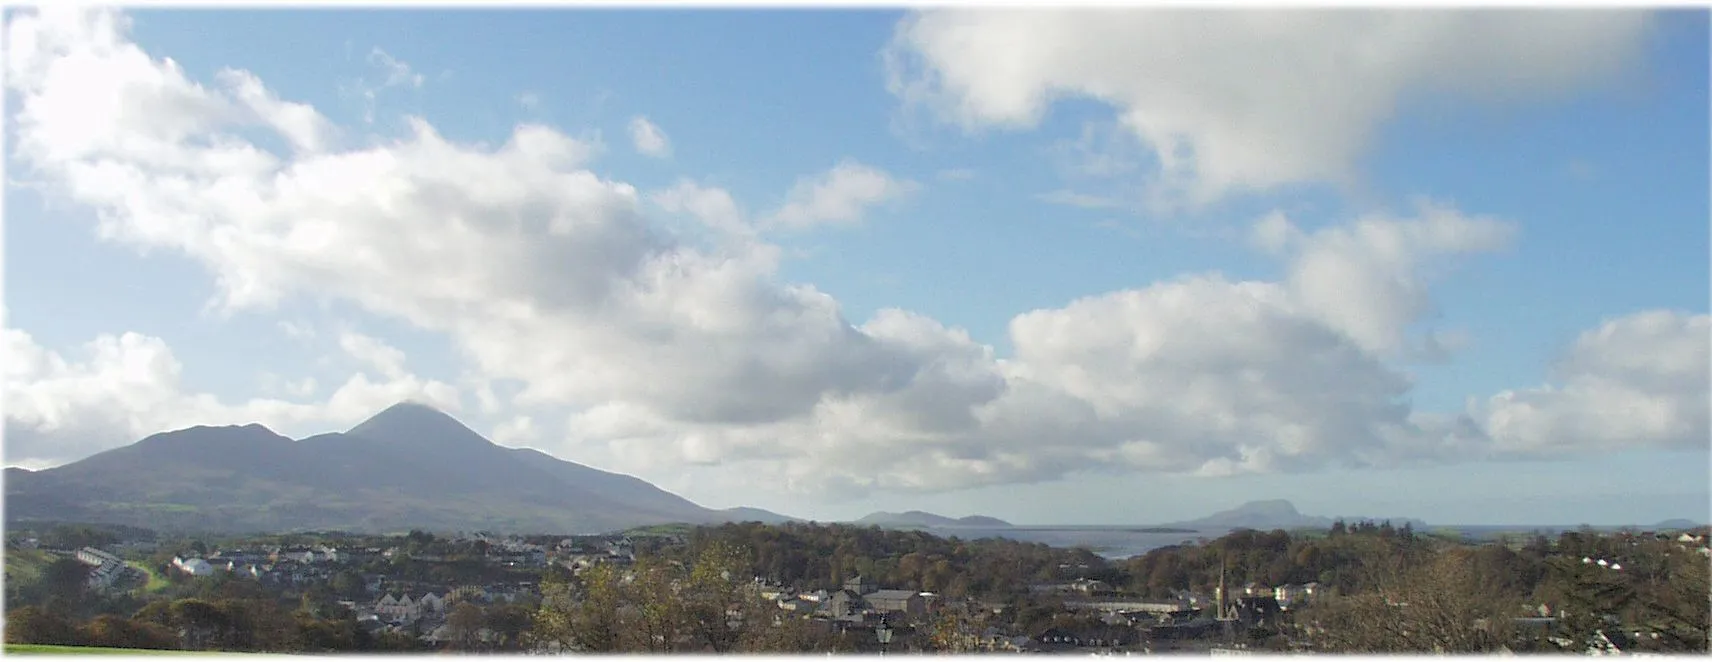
{"type": "Point", "coordinates": [669, 350]}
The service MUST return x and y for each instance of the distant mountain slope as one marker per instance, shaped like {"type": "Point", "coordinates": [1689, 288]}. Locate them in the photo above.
{"type": "Point", "coordinates": [743, 514]}
{"type": "Point", "coordinates": [919, 518]}
{"type": "Point", "coordinates": [410, 466]}
{"type": "Point", "coordinates": [1275, 514]}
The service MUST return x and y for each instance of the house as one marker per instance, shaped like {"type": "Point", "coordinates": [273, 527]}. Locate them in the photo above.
{"type": "Point", "coordinates": [397, 609]}
{"type": "Point", "coordinates": [1090, 586]}
{"type": "Point", "coordinates": [1257, 610]}
{"type": "Point", "coordinates": [1289, 593]}
{"type": "Point", "coordinates": [910, 603]}
{"type": "Point", "coordinates": [96, 557]}
{"type": "Point", "coordinates": [844, 605]}
{"type": "Point", "coordinates": [193, 567]}
{"type": "Point", "coordinates": [859, 585]}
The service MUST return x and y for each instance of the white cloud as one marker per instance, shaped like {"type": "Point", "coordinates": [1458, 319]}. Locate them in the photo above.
{"type": "Point", "coordinates": [1070, 198]}
{"type": "Point", "coordinates": [297, 331]}
{"type": "Point", "coordinates": [517, 431]}
{"type": "Point", "coordinates": [559, 290]}
{"type": "Point", "coordinates": [839, 196]}
{"type": "Point", "coordinates": [713, 207]}
{"type": "Point", "coordinates": [649, 139]}
{"type": "Point", "coordinates": [124, 387]}
{"type": "Point", "coordinates": [1636, 381]}
{"type": "Point", "coordinates": [383, 358]}
{"type": "Point", "coordinates": [1232, 102]}
{"type": "Point", "coordinates": [1369, 278]}
{"type": "Point", "coordinates": [398, 73]}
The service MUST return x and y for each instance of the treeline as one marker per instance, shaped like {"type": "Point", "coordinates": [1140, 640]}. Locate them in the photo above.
{"type": "Point", "coordinates": [195, 624]}
{"type": "Point", "coordinates": [1344, 560]}
{"type": "Point", "coordinates": [816, 556]}
{"type": "Point", "coordinates": [665, 605]}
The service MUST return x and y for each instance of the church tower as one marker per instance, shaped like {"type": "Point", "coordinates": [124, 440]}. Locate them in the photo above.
{"type": "Point", "coordinates": [1219, 593]}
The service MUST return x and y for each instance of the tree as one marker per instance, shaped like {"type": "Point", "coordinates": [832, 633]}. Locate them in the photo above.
{"type": "Point", "coordinates": [658, 609]}
{"type": "Point", "coordinates": [118, 632]}
{"type": "Point", "coordinates": [67, 582]}
{"type": "Point", "coordinates": [67, 536]}
{"type": "Point", "coordinates": [1589, 597]}
{"type": "Point", "coordinates": [40, 625]}
{"type": "Point", "coordinates": [465, 624]}
{"type": "Point", "coordinates": [714, 593]}
{"type": "Point", "coordinates": [1678, 607]}
{"type": "Point", "coordinates": [508, 623]}
{"type": "Point", "coordinates": [348, 584]}
{"type": "Point", "coordinates": [201, 624]}
{"type": "Point", "coordinates": [591, 623]}
{"type": "Point", "coordinates": [1437, 607]}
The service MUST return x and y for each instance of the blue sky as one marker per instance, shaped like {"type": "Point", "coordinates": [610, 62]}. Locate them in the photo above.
{"type": "Point", "coordinates": [1537, 205]}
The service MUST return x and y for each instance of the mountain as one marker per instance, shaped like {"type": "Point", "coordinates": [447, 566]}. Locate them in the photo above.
{"type": "Point", "coordinates": [1676, 524]}
{"type": "Point", "coordinates": [410, 466]}
{"type": "Point", "coordinates": [916, 518]}
{"type": "Point", "coordinates": [742, 514]}
{"type": "Point", "coordinates": [1274, 514]}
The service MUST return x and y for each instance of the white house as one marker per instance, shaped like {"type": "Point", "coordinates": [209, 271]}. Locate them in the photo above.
{"type": "Point", "coordinates": [394, 609]}
{"type": "Point", "coordinates": [404, 608]}
{"type": "Point", "coordinates": [193, 567]}
{"type": "Point", "coordinates": [96, 557]}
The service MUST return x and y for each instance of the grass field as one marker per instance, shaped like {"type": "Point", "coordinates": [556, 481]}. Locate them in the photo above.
{"type": "Point", "coordinates": [42, 649]}
{"type": "Point", "coordinates": [156, 581]}
{"type": "Point", "coordinates": [24, 566]}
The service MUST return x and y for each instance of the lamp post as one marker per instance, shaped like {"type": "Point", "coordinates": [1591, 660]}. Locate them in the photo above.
{"type": "Point", "coordinates": [884, 634]}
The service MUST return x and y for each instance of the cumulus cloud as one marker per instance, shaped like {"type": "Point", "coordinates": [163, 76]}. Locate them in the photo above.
{"type": "Point", "coordinates": [1635, 381]}
{"type": "Point", "coordinates": [839, 196]}
{"type": "Point", "coordinates": [713, 207]}
{"type": "Point", "coordinates": [384, 358]}
{"type": "Point", "coordinates": [559, 288]}
{"type": "Point", "coordinates": [1232, 102]}
{"type": "Point", "coordinates": [1369, 278]}
{"type": "Point", "coordinates": [120, 388]}
{"type": "Point", "coordinates": [649, 139]}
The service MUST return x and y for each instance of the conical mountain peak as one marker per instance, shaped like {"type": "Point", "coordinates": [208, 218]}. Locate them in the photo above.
{"type": "Point", "coordinates": [417, 424]}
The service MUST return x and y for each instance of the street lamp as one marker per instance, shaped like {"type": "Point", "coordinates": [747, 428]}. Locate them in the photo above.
{"type": "Point", "coordinates": [885, 635]}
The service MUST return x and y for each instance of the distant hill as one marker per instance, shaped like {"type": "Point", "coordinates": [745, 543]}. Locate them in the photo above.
{"type": "Point", "coordinates": [1276, 514]}
{"type": "Point", "coordinates": [743, 514]}
{"type": "Point", "coordinates": [410, 466]}
{"type": "Point", "coordinates": [916, 518]}
{"type": "Point", "coordinates": [1677, 524]}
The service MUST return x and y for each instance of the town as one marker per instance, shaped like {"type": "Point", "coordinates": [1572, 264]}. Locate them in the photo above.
{"type": "Point", "coordinates": [836, 588]}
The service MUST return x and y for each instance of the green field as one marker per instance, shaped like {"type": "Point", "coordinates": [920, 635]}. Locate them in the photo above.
{"type": "Point", "coordinates": [25, 566]}
{"type": "Point", "coordinates": [156, 581]}
{"type": "Point", "coordinates": [42, 649]}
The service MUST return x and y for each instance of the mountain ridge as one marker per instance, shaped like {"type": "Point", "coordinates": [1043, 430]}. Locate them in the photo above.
{"type": "Point", "coordinates": [408, 466]}
{"type": "Point", "coordinates": [1270, 514]}
{"type": "Point", "coordinates": [927, 519]}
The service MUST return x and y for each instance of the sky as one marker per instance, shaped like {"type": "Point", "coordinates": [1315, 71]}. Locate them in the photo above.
{"type": "Point", "coordinates": [1059, 267]}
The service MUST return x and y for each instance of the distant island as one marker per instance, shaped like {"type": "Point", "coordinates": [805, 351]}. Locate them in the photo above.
{"type": "Point", "coordinates": [1275, 514]}
{"type": "Point", "coordinates": [917, 518]}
